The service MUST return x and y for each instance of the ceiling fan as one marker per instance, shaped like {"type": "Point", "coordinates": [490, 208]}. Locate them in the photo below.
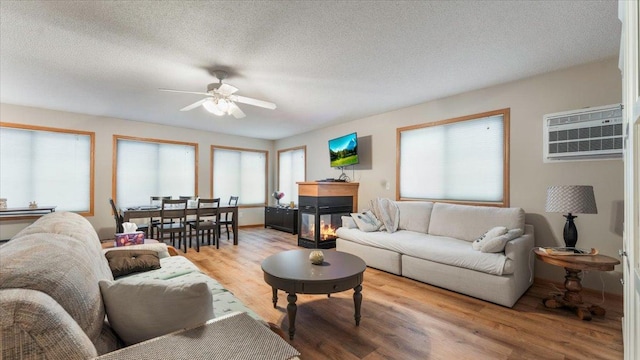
{"type": "Point", "coordinates": [221, 99]}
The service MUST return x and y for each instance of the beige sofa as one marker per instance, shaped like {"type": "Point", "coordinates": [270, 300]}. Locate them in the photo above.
{"type": "Point", "coordinates": [434, 245]}
{"type": "Point", "coordinates": [50, 301]}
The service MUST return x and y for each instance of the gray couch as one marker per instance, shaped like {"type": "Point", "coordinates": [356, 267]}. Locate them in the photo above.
{"type": "Point", "coordinates": [434, 245]}
{"type": "Point", "coordinates": [50, 301]}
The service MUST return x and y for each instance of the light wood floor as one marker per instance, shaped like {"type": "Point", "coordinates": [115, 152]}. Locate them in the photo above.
{"type": "Point", "coordinates": [406, 319]}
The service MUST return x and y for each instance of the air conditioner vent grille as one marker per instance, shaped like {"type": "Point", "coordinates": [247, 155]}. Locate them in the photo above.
{"type": "Point", "coordinates": [582, 134]}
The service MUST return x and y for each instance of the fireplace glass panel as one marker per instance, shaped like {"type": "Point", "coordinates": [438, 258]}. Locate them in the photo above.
{"type": "Point", "coordinates": [307, 226]}
{"type": "Point", "coordinates": [329, 223]}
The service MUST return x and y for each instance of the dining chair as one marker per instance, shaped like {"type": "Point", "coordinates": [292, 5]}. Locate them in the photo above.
{"type": "Point", "coordinates": [119, 220]}
{"type": "Point", "coordinates": [173, 220]}
{"type": "Point", "coordinates": [157, 202]}
{"type": "Point", "coordinates": [226, 218]}
{"type": "Point", "coordinates": [206, 221]}
{"type": "Point", "coordinates": [189, 199]}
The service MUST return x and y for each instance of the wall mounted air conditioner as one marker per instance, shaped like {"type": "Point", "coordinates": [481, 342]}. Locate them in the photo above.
{"type": "Point", "coordinates": [585, 134]}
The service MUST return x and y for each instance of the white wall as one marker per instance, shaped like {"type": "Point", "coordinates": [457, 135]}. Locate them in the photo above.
{"type": "Point", "coordinates": [529, 99]}
{"type": "Point", "coordinates": [105, 128]}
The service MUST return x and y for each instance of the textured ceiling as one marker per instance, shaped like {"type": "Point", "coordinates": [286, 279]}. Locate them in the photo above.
{"type": "Point", "coordinates": [321, 62]}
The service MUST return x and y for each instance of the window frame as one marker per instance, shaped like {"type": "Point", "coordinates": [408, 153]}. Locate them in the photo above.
{"type": "Point", "coordinates": [505, 156]}
{"type": "Point", "coordinates": [266, 172]}
{"type": "Point", "coordinates": [114, 161]}
{"type": "Point", "coordinates": [304, 149]}
{"type": "Point", "coordinates": [92, 161]}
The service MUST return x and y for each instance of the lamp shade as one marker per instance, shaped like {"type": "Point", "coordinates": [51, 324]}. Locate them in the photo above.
{"type": "Point", "coordinates": [212, 107]}
{"type": "Point", "coordinates": [573, 199]}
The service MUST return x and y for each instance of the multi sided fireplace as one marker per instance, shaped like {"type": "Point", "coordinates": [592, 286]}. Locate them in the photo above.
{"type": "Point", "coordinates": [320, 217]}
{"type": "Point", "coordinates": [321, 207]}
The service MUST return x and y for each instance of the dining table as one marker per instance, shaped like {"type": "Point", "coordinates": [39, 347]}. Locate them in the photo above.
{"type": "Point", "coordinates": [141, 212]}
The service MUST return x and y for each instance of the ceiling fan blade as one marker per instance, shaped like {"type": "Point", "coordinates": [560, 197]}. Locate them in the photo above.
{"type": "Point", "coordinates": [235, 111]}
{"type": "Point", "coordinates": [186, 92]}
{"type": "Point", "coordinates": [226, 89]}
{"type": "Point", "coordinates": [194, 105]}
{"type": "Point", "coordinates": [254, 102]}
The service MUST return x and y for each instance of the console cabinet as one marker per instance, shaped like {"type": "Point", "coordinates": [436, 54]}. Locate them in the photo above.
{"type": "Point", "coordinates": [280, 218]}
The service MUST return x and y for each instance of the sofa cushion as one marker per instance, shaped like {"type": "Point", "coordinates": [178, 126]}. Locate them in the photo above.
{"type": "Point", "coordinates": [132, 261]}
{"type": "Point", "coordinates": [439, 249]}
{"type": "Point", "coordinates": [160, 248]}
{"type": "Point", "coordinates": [470, 222]}
{"type": "Point", "coordinates": [140, 310]}
{"type": "Point", "coordinates": [414, 215]}
{"type": "Point", "coordinates": [171, 267]}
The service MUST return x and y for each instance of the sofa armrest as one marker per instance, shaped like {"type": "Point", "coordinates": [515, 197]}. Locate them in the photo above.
{"type": "Point", "coordinates": [161, 248]}
{"type": "Point", "coordinates": [519, 248]}
{"type": "Point", "coordinates": [32, 325]}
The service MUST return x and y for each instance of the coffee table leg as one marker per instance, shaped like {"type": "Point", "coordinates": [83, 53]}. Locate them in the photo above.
{"type": "Point", "coordinates": [275, 297]}
{"type": "Point", "coordinates": [292, 308]}
{"type": "Point", "coordinates": [357, 302]}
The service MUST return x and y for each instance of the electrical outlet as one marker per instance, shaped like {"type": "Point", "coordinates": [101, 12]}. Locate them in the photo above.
{"type": "Point", "coordinates": [240, 214]}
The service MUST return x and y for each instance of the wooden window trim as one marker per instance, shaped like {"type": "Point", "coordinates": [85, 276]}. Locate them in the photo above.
{"type": "Point", "coordinates": [114, 160]}
{"type": "Point", "coordinates": [266, 171]}
{"type": "Point", "coordinates": [92, 159]}
{"type": "Point", "coordinates": [303, 148]}
{"type": "Point", "coordinates": [506, 112]}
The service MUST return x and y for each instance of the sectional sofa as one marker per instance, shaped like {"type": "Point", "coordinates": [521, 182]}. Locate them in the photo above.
{"type": "Point", "coordinates": [433, 244]}
{"type": "Point", "coordinates": [53, 275]}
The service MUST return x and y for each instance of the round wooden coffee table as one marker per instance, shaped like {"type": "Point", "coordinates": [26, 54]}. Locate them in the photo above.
{"type": "Point", "coordinates": [292, 272]}
{"type": "Point", "coordinates": [573, 265]}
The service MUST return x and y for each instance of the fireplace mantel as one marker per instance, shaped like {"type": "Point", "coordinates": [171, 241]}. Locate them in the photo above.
{"type": "Point", "coordinates": [318, 189]}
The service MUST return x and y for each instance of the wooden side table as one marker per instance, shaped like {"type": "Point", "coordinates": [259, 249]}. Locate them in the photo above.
{"type": "Point", "coordinates": [573, 266]}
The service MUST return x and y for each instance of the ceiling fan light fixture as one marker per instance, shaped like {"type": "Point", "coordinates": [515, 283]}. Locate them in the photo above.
{"type": "Point", "coordinates": [223, 105]}
{"type": "Point", "coordinates": [212, 107]}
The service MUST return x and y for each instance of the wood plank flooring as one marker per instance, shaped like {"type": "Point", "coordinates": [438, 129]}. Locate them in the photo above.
{"type": "Point", "coordinates": [406, 319]}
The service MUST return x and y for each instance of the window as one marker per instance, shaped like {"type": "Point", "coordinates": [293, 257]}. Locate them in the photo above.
{"type": "Point", "coordinates": [149, 167]}
{"type": "Point", "coordinates": [239, 172]}
{"type": "Point", "coordinates": [462, 160]}
{"type": "Point", "coordinates": [53, 167]}
{"type": "Point", "coordinates": [291, 169]}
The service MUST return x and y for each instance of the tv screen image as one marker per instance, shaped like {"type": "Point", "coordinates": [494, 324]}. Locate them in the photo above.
{"type": "Point", "coordinates": [343, 151]}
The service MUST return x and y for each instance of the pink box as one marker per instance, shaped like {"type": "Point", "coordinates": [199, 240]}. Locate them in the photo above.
{"type": "Point", "coordinates": [127, 239]}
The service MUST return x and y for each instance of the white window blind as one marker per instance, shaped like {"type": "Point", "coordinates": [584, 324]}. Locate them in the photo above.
{"type": "Point", "coordinates": [240, 173]}
{"type": "Point", "coordinates": [459, 161]}
{"type": "Point", "coordinates": [49, 167]}
{"type": "Point", "coordinates": [291, 169]}
{"type": "Point", "coordinates": [145, 169]}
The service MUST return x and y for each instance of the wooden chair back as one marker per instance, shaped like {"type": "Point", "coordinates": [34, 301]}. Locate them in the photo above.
{"type": "Point", "coordinates": [117, 216]}
{"type": "Point", "coordinates": [173, 211]}
{"type": "Point", "coordinates": [208, 209]}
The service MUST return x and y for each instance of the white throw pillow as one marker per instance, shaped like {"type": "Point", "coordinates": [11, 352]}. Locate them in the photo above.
{"type": "Point", "coordinates": [143, 309]}
{"type": "Point", "coordinates": [347, 222]}
{"type": "Point", "coordinates": [497, 244]}
{"type": "Point", "coordinates": [366, 221]}
{"type": "Point", "coordinates": [492, 233]}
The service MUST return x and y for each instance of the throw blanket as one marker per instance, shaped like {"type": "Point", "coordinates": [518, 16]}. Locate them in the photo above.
{"type": "Point", "coordinates": [386, 211]}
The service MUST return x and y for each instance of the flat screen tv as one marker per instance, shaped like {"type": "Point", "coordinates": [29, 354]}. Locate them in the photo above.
{"type": "Point", "coordinates": [343, 151]}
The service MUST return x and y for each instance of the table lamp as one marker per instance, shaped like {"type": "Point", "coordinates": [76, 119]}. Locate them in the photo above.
{"type": "Point", "coordinates": [571, 199]}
